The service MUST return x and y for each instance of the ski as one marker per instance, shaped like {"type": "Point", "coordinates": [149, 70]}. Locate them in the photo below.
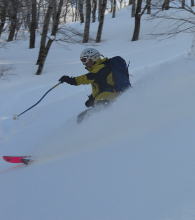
{"type": "Point", "coordinates": [90, 111]}
{"type": "Point", "coordinates": [18, 159]}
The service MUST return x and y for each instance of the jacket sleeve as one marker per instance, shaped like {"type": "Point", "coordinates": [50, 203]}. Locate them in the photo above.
{"type": "Point", "coordinates": [84, 79]}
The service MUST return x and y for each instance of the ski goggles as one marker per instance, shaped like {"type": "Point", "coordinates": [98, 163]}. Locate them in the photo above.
{"type": "Point", "coordinates": [84, 60]}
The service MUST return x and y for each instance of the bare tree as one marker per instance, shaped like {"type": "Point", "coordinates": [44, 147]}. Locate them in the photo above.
{"type": "Point", "coordinates": [165, 5]}
{"type": "Point", "coordinates": [33, 24]}
{"type": "Point", "coordinates": [101, 21]}
{"type": "Point", "coordinates": [74, 10]}
{"type": "Point", "coordinates": [3, 13]}
{"type": "Point", "coordinates": [94, 9]}
{"type": "Point", "coordinates": [133, 2]}
{"type": "Point", "coordinates": [138, 14]}
{"type": "Point", "coordinates": [99, 8]}
{"type": "Point", "coordinates": [13, 9]}
{"type": "Point", "coordinates": [87, 21]}
{"type": "Point", "coordinates": [179, 24]}
{"type": "Point", "coordinates": [137, 20]}
{"type": "Point", "coordinates": [26, 12]}
{"type": "Point", "coordinates": [65, 11]}
{"type": "Point", "coordinates": [44, 47]}
{"type": "Point", "coordinates": [149, 2]}
{"type": "Point", "coordinates": [80, 8]}
{"type": "Point", "coordinates": [39, 10]}
{"type": "Point", "coordinates": [113, 8]}
{"type": "Point", "coordinates": [183, 2]}
{"type": "Point", "coordinates": [44, 32]}
{"type": "Point", "coordinates": [184, 24]}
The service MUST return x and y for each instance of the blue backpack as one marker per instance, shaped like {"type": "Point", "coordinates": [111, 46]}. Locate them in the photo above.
{"type": "Point", "coordinates": [120, 73]}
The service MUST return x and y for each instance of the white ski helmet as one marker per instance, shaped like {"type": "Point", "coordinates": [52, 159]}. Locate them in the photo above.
{"type": "Point", "coordinates": [89, 54]}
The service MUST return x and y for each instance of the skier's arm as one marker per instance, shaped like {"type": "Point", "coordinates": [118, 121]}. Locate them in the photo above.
{"type": "Point", "coordinates": [84, 79]}
{"type": "Point", "coordinates": [79, 80]}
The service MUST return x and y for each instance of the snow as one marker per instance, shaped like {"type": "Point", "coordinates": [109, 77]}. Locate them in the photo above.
{"type": "Point", "coordinates": [134, 160]}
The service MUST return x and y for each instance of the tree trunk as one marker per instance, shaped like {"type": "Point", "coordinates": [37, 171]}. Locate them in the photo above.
{"type": "Point", "coordinates": [42, 50]}
{"type": "Point", "coordinates": [76, 12]}
{"type": "Point", "coordinates": [87, 21]}
{"type": "Point", "coordinates": [192, 3]}
{"type": "Point", "coordinates": [165, 5]}
{"type": "Point", "coordinates": [114, 9]}
{"type": "Point", "coordinates": [99, 9]}
{"type": "Point", "coordinates": [3, 12]}
{"type": "Point", "coordinates": [56, 20]}
{"type": "Point", "coordinates": [13, 19]}
{"type": "Point", "coordinates": [183, 3]}
{"type": "Point", "coordinates": [38, 13]}
{"type": "Point", "coordinates": [94, 8]}
{"type": "Point", "coordinates": [137, 21]}
{"type": "Point", "coordinates": [101, 21]}
{"type": "Point", "coordinates": [133, 8]}
{"type": "Point", "coordinates": [80, 8]}
{"type": "Point", "coordinates": [33, 24]}
{"type": "Point", "coordinates": [148, 6]}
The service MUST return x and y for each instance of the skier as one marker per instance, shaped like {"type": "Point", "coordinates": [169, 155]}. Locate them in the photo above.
{"type": "Point", "coordinates": [108, 78]}
{"type": "Point", "coordinates": [99, 76]}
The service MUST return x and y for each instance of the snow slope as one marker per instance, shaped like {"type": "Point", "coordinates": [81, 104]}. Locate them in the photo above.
{"type": "Point", "coordinates": [134, 160]}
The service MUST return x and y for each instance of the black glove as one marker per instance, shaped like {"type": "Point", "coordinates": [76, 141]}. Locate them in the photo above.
{"type": "Point", "coordinates": [67, 79]}
{"type": "Point", "coordinates": [90, 101]}
{"type": "Point", "coordinates": [64, 79]}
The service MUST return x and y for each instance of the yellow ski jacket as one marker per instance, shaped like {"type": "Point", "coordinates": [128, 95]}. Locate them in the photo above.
{"type": "Point", "coordinates": [101, 79]}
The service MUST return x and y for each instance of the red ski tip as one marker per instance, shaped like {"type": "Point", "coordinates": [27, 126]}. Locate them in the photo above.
{"type": "Point", "coordinates": [17, 159]}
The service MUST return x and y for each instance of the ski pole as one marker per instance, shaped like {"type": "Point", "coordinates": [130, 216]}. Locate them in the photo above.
{"type": "Point", "coordinates": [17, 116]}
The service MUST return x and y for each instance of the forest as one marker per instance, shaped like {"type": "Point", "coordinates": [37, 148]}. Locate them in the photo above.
{"type": "Point", "coordinates": [48, 19]}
